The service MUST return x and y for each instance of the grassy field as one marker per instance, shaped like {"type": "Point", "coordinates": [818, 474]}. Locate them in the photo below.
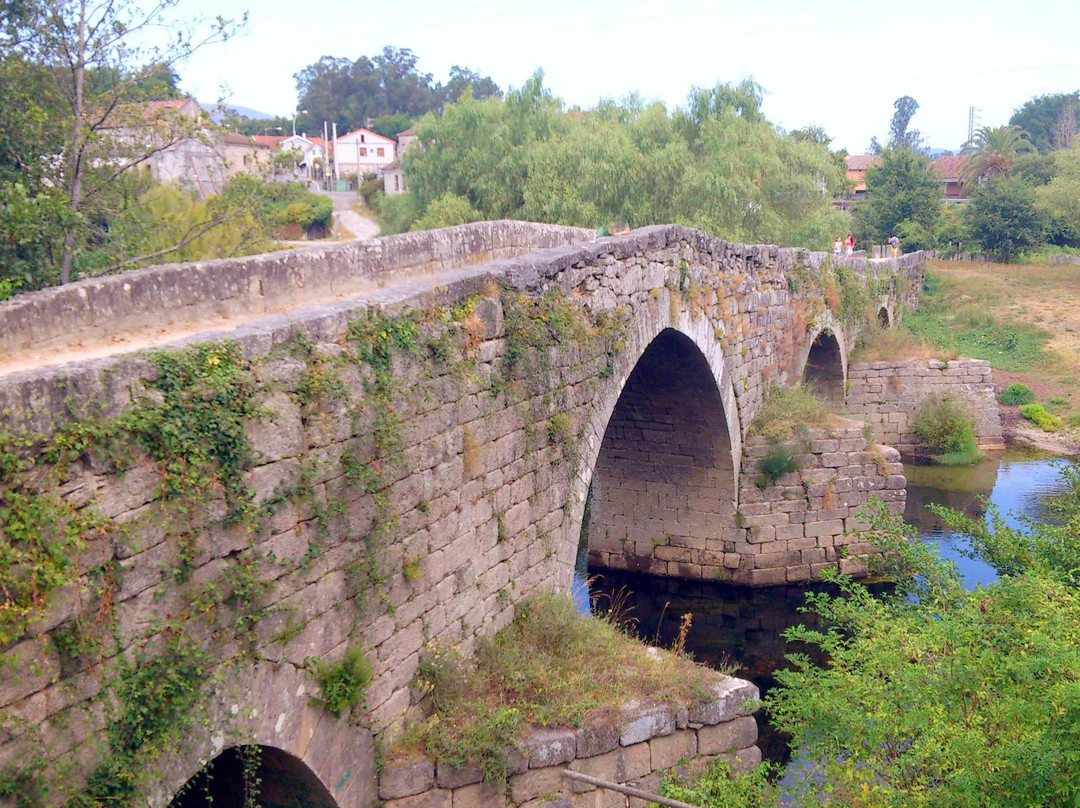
{"type": "Point", "coordinates": [1023, 319]}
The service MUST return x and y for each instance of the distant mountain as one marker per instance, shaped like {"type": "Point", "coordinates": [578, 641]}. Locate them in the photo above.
{"type": "Point", "coordinates": [244, 112]}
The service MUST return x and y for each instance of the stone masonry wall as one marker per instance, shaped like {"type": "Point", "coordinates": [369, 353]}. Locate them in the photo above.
{"type": "Point", "coordinates": [789, 531]}
{"type": "Point", "coordinates": [886, 394]}
{"type": "Point", "coordinates": [499, 409]}
{"type": "Point", "coordinates": [647, 741]}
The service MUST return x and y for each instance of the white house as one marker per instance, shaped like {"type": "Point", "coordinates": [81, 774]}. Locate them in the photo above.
{"type": "Point", "coordinates": [310, 155]}
{"type": "Point", "coordinates": [363, 152]}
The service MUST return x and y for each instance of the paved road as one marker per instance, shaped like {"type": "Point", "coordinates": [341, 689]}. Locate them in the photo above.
{"type": "Point", "coordinates": [345, 217]}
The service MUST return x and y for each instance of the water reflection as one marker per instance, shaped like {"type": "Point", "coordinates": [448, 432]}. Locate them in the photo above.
{"type": "Point", "coordinates": [1017, 482]}
{"type": "Point", "coordinates": [742, 627]}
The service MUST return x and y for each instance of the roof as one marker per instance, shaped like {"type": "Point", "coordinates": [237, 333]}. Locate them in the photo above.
{"type": "Point", "coordinates": [368, 135]}
{"type": "Point", "coordinates": [147, 112]}
{"type": "Point", "coordinates": [948, 166]}
{"type": "Point", "coordinates": [861, 162]}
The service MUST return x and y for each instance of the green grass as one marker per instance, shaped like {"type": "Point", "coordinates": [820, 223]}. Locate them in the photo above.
{"type": "Point", "coordinates": [787, 411]}
{"type": "Point", "coordinates": [551, 666]}
{"type": "Point", "coordinates": [957, 322]}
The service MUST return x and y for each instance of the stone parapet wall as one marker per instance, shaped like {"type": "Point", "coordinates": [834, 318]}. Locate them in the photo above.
{"type": "Point", "coordinates": [647, 741]}
{"type": "Point", "coordinates": [886, 394]}
{"type": "Point", "coordinates": [171, 295]}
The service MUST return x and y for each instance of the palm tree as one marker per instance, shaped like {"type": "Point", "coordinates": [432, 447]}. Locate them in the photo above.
{"type": "Point", "coordinates": [992, 150]}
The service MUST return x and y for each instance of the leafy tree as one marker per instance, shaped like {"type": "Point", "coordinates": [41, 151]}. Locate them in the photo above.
{"type": "Point", "coordinates": [717, 165]}
{"type": "Point", "coordinates": [900, 137]}
{"type": "Point", "coordinates": [1059, 198]}
{"type": "Point", "coordinates": [462, 79]}
{"type": "Point", "coordinates": [1003, 217]}
{"type": "Point", "coordinates": [902, 194]}
{"type": "Point", "coordinates": [1047, 118]}
{"type": "Point", "coordinates": [936, 696]}
{"type": "Point", "coordinates": [379, 91]}
{"type": "Point", "coordinates": [88, 60]}
{"type": "Point", "coordinates": [992, 151]}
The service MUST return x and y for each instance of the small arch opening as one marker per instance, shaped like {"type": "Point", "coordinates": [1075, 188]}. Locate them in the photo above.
{"type": "Point", "coordinates": [883, 317]}
{"type": "Point", "coordinates": [824, 371]}
{"type": "Point", "coordinates": [662, 498]}
{"type": "Point", "coordinates": [243, 776]}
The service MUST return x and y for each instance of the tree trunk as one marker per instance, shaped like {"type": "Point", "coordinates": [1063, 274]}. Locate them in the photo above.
{"type": "Point", "coordinates": [75, 148]}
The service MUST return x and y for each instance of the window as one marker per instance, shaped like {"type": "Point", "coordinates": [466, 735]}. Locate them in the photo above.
{"type": "Point", "coordinates": [363, 152]}
{"type": "Point", "coordinates": [397, 182]}
{"type": "Point", "coordinates": [381, 152]}
{"type": "Point", "coordinates": [362, 138]}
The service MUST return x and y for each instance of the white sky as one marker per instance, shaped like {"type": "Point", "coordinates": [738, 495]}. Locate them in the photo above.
{"type": "Point", "coordinates": [836, 63]}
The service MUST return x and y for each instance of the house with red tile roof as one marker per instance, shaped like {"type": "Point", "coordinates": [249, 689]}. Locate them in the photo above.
{"type": "Point", "coordinates": [856, 166]}
{"type": "Point", "coordinates": [363, 152]}
{"type": "Point", "coordinates": [947, 172]}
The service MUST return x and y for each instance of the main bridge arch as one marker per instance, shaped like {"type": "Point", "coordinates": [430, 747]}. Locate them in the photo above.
{"type": "Point", "coordinates": [661, 457]}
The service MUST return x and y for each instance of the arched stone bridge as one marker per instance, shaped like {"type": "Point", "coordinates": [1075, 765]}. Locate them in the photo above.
{"type": "Point", "coordinates": [406, 475]}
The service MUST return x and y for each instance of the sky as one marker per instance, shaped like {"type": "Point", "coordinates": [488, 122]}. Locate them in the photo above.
{"type": "Point", "coordinates": [838, 64]}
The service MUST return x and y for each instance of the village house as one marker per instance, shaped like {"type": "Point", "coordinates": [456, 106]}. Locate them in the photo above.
{"type": "Point", "coordinates": [363, 152]}
{"type": "Point", "coordinates": [174, 140]}
{"type": "Point", "coordinates": [947, 173]}
{"type": "Point", "coordinates": [393, 176]}
{"type": "Point", "coordinates": [249, 154]}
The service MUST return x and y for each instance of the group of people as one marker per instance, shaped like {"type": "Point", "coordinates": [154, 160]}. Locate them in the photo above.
{"type": "Point", "coordinates": [847, 245]}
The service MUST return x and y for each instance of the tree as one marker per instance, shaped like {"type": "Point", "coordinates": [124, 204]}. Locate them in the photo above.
{"type": "Point", "coordinates": [461, 79]}
{"type": "Point", "coordinates": [91, 59]}
{"type": "Point", "coordinates": [1003, 217]}
{"type": "Point", "coordinates": [900, 137]}
{"type": "Point", "coordinates": [992, 151]}
{"type": "Point", "coordinates": [936, 696]}
{"type": "Point", "coordinates": [1042, 115]}
{"type": "Point", "coordinates": [1059, 198]}
{"type": "Point", "coordinates": [901, 194]}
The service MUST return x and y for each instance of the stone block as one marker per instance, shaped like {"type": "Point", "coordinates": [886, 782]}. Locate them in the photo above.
{"type": "Point", "coordinates": [405, 778]}
{"type": "Point", "coordinates": [669, 750]}
{"type": "Point", "coordinates": [434, 798]}
{"type": "Point", "coordinates": [549, 747]}
{"type": "Point", "coordinates": [468, 773]}
{"type": "Point", "coordinates": [595, 739]}
{"type": "Point", "coordinates": [729, 736]}
{"type": "Point", "coordinates": [728, 700]}
{"type": "Point", "coordinates": [644, 721]}
{"type": "Point", "coordinates": [480, 795]}
{"type": "Point", "coordinates": [535, 783]}
{"type": "Point", "coordinates": [744, 760]}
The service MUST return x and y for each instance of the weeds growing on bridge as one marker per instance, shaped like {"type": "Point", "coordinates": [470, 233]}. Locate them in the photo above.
{"type": "Point", "coordinates": [551, 666]}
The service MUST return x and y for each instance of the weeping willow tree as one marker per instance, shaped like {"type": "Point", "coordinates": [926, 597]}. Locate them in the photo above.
{"type": "Point", "coordinates": [717, 165]}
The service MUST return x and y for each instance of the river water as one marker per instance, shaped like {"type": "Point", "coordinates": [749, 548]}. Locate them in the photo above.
{"type": "Point", "coordinates": [742, 628]}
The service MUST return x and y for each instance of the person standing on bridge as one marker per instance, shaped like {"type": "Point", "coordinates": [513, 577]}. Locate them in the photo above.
{"type": "Point", "coordinates": [849, 246]}
{"type": "Point", "coordinates": [837, 245]}
{"type": "Point", "coordinates": [894, 245]}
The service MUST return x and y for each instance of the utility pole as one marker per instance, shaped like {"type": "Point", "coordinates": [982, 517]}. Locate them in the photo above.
{"type": "Point", "coordinates": [972, 116]}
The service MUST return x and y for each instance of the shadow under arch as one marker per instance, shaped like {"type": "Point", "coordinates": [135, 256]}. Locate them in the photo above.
{"type": "Point", "coordinates": [250, 775]}
{"type": "Point", "coordinates": [883, 317]}
{"type": "Point", "coordinates": [824, 368]}
{"type": "Point", "coordinates": [663, 489]}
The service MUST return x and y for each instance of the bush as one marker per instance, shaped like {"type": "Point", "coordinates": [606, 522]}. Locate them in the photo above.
{"type": "Point", "coordinates": [1037, 414]}
{"type": "Point", "coordinates": [787, 411]}
{"type": "Point", "coordinates": [946, 431]}
{"type": "Point", "coordinates": [342, 683]}
{"type": "Point", "coordinates": [1014, 394]}
{"type": "Point", "coordinates": [778, 461]}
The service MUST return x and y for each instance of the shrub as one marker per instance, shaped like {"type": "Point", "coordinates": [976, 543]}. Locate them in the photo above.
{"type": "Point", "coordinates": [1037, 414]}
{"type": "Point", "coordinates": [778, 461]}
{"type": "Point", "coordinates": [342, 683]}
{"type": "Point", "coordinates": [946, 431]}
{"type": "Point", "coordinates": [1014, 394]}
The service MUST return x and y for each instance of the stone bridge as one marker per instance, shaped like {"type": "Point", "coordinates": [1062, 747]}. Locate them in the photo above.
{"type": "Point", "coordinates": [398, 441]}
